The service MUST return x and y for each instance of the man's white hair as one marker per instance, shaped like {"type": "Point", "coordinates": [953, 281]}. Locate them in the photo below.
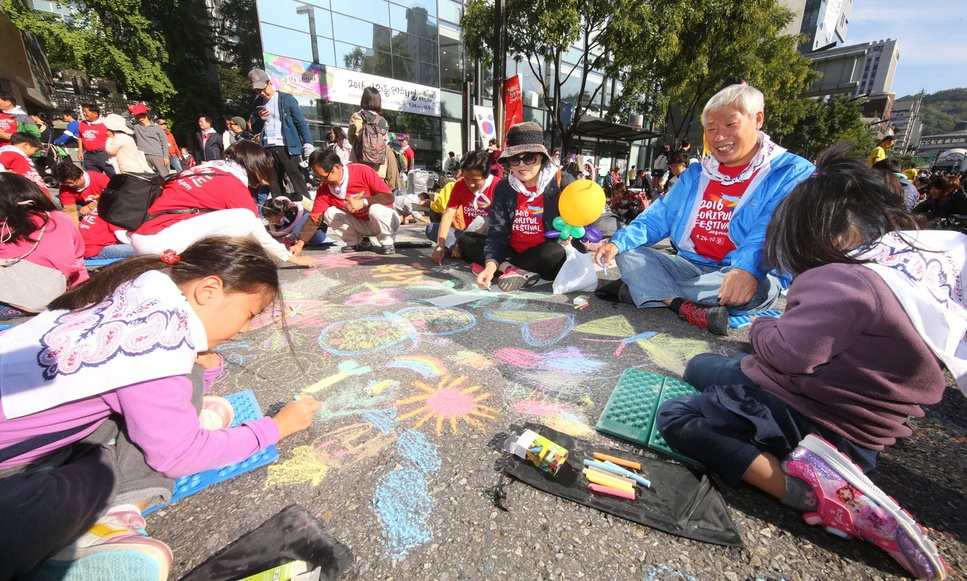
{"type": "Point", "coordinates": [743, 97]}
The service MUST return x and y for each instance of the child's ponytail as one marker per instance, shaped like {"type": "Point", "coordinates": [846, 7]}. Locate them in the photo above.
{"type": "Point", "coordinates": [844, 205]}
{"type": "Point", "coordinates": [241, 263]}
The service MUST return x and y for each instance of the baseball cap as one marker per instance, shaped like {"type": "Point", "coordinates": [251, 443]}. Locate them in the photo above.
{"type": "Point", "coordinates": [259, 78]}
{"type": "Point", "coordinates": [138, 109]}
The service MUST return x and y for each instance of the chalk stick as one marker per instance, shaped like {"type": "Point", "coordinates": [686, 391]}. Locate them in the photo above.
{"type": "Point", "coordinates": [611, 491]}
{"type": "Point", "coordinates": [609, 467]}
{"type": "Point", "coordinates": [616, 460]}
{"type": "Point", "coordinates": [621, 479]}
{"type": "Point", "coordinates": [597, 478]}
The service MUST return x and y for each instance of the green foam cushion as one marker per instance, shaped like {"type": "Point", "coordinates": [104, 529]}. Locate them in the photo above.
{"type": "Point", "coordinates": [633, 406]}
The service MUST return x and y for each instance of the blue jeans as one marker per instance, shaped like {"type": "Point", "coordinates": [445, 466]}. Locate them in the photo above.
{"type": "Point", "coordinates": [731, 421]}
{"type": "Point", "coordinates": [654, 276]}
{"type": "Point", "coordinates": [115, 251]}
{"type": "Point", "coordinates": [175, 164]}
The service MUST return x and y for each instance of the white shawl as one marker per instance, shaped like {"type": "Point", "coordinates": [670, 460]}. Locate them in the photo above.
{"type": "Point", "coordinates": [547, 174]}
{"type": "Point", "coordinates": [928, 280]}
{"type": "Point", "coordinates": [145, 330]}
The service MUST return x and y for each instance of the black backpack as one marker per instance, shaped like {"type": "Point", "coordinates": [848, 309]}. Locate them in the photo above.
{"type": "Point", "coordinates": [127, 197]}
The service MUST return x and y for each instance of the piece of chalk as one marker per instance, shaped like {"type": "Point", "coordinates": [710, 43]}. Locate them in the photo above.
{"type": "Point", "coordinates": [616, 460]}
{"type": "Point", "coordinates": [609, 467]}
{"type": "Point", "coordinates": [621, 479]}
{"type": "Point", "coordinates": [611, 491]}
{"type": "Point", "coordinates": [597, 478]}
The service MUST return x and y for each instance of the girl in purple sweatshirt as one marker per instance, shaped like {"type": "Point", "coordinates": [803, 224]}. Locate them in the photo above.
{"type": "Point", "coordinates": [99, 406]}
{"type": "Point", "coordinates": [873, 307]}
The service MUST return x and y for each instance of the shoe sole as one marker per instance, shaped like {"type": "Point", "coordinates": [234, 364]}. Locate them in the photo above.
{"type": "Point", "coordinates": [514, 282]}
{"type": "Point", "coordinates": [861, 482]}
{"type": "Point", "coordinates": [721, 324]}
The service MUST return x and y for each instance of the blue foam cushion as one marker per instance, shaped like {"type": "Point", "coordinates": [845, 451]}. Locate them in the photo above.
{"type": "Point", "coordinates": [739, 321]}
{"type": "Point", "coordinates": [246, 409]}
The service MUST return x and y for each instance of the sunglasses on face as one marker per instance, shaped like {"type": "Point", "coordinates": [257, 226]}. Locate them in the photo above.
{"type": "Point", "coordinates": [525, 158]}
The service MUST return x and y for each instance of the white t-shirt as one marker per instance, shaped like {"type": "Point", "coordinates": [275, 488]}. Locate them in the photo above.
{"type": "Point", "coordinates": [273, 125]}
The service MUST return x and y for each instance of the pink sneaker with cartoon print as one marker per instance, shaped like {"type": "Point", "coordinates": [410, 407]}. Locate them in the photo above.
{"type": "Point", "coordinates": [850, 505]}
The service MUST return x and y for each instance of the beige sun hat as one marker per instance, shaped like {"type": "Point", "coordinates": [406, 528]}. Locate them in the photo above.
{"type": "Point", "coordinates": [116, 123]}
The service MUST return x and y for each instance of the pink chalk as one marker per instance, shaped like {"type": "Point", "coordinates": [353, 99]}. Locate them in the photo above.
{"type": "Point", "coordinates": [611, 491]}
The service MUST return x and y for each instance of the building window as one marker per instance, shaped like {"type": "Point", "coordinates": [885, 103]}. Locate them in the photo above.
{"type": "Point", "coordinates": [451, 58]}
{"type": "Point", "coordinates": [376, 11]}
{"type": "Point", "coordinates": [451, 11]}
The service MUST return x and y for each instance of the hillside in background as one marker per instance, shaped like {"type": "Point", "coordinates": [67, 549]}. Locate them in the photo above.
{"type": "Point", "coordinates": [942, 110]}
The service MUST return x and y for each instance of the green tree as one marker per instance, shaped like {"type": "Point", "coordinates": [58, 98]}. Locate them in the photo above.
{"type": "Point", "coordinates": [105, 38]}
{"type": "Point", "coordinates": [721, 42]}
{"type": "Point", "coordinates": [825, 123]}
{"type": "Point", "coordinates": [620, 38]}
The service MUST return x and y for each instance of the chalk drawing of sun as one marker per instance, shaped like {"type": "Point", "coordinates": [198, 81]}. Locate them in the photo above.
{"type": "Point", "coordinates": [448, 403]}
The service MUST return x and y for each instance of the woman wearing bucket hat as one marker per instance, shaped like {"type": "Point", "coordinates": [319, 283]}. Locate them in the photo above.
{"type": "Point", "coordinates": [523, 211]}
{"type": "Point", "coordinates": [124, 152]}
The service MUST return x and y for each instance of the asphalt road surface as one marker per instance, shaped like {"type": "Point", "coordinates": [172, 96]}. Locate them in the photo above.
{"type": "Point", "coordinates": [397, 461]}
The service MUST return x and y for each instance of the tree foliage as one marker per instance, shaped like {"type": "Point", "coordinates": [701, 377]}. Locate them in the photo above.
{"type": "Point", "coordinates": [824, 123]}
{"type": "Point", "coordinates": [619, 38]}
{"type": "Point", "coordinates": [106, 38]}
{"type": "Point", "coordinates": [669, 56]}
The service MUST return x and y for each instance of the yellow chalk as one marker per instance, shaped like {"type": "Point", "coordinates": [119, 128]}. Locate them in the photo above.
{"type": "Point", "coordinates": [612, 476]}
{"type": "Point", "coordinates": [604, 480]}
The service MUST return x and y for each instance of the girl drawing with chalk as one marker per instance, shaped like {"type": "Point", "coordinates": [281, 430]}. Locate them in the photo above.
{"type": "Point", "coordinates": [99, 406]}
{"type": "Point", "coordinates": [874, 305]}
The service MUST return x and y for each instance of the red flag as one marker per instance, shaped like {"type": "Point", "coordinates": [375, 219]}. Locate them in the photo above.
{"type": "Point", "coordinates": [513, 103]}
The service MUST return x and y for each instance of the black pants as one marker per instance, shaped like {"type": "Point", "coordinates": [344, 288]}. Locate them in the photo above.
{"type": "Point", "coordinates": [732, 421]}
{"type": "Point", "coordinates": [287, 165]}
{"type": "Point", "coordinates": [97, 160]}
{"type": "Point", "coordinates": [545, 259]}
{"type": "Point", "coordinates": [51, 503]}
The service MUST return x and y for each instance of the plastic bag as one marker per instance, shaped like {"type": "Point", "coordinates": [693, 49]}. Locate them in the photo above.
{"type": "Point", "coordinates": [577, 274]}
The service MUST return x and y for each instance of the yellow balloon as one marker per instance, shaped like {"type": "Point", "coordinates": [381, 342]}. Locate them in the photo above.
{"type": "Point", "coordinates": [582, 202]}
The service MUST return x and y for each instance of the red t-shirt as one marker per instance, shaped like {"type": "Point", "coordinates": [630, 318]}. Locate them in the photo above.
{"type": "Point", "coordinates": [8, 124]}
{"type": "Point", "coordinates": [96, 182]}
{"type": "Point", "coordinates": [711, 231]}
{"type": "Point", "coordinates": [410, 157]}
{"type": "Point", "coordinates": [202, 187]}
{"type": "Point", "coordinates": [462, 197]}
{"type": "Point", "coordinates": [527, 231]}
{"type": "Point", "coordinates": [93, 135]}
{"type": "Point", "coordinates": [17, 162]}
{"type": "Point", "coordinates": [362, 179]}
{"type": "Point", "coordinates": [97, 233]}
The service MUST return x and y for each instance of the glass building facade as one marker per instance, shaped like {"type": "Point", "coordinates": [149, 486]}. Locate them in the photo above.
{"type": "Point", "coordinates": [407, 46]}
{"type": "Point", "coordinates": [318, 47]}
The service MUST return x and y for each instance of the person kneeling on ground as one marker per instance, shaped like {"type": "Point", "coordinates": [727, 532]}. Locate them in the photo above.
{"type": "Point", "coordinates": [472, 197]}
{"type": "Point", "coordinates": [213, 199]}
{"type": "Point", "coordinates": [41, 252]}
{"type": "Point", "coordinates": [716, 218]}
{"type": "Point", "coordinates": [523, 212]}
{"type": "Point", "coordinates": [833, 381]}
{"type": "Point", "coordinates": [354, 202]}
{"type": "Point", "coordinates": [101, 403]}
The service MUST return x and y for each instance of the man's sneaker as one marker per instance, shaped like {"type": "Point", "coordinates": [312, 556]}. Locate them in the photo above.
{"type": "Point", "coordinates": [714, 319]}
{"type": "Point", "coordinates": [514, 279]}
{"type": "Point", "coordinates": [615, 291]}
{"type": "Point", "coordinates": [385, 249]}
{"type": "Point", "coordinates": [850, 505]}
{"type": "Point", "coordinates": [118, 542]}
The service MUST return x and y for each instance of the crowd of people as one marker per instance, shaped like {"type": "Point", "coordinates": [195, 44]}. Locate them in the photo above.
{"type": "Point", "coordinates": [103, 386]}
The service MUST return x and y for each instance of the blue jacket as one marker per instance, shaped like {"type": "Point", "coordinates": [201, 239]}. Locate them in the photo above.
{"type": "Point", "coordinates": [670, 215]}
{"type": "Point", "coordinates": [295, 128]}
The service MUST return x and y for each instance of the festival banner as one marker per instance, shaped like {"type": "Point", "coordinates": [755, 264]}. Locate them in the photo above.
{"type": "Point", "coordinates": [513, 103]}
{"type": "Point", "coordinates": [347, 87]}
{"type": "Point", "coordinates": [307, 80]}
{"type": "Point", "coordinates": [486, 126]}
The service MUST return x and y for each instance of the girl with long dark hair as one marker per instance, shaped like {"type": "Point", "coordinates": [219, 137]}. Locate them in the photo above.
{"type": "Point", "coordinates": [100, 399]}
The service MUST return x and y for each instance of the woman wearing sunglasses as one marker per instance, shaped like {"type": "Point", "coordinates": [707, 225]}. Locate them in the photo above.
{"type": "Point", "coordinates": [524, 208]}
